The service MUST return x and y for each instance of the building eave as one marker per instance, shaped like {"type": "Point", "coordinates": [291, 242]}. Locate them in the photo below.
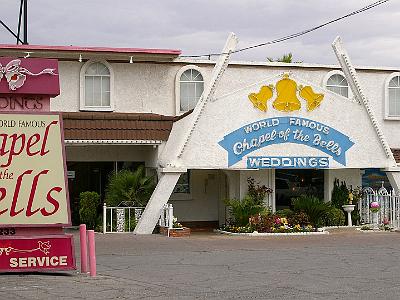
{"type": "Point", "coordinates": [239, 63]}
{"type": "Point", "coordinates": [113, 142]}
{"type": "Point", "coordinates": [85, 53]}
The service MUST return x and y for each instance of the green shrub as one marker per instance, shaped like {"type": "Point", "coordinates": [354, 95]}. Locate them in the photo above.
{"type": "Point", "coordinates": [300, 218]}
{"type": "Point", "coordinates": [89, 203]}
{"type": "Point", "coordinates": [99, 223]}
{"type": "Point", "coordinates": [129, 186]}
{"type": "Point", "coordinates": [256, 191]}
{"type": "Point", "coordinates": [132, 223]}
{"type": "Point", "coordinates": [335, 217]}
{"type": "Point", "coordinates": [243, 209]}
{"type": "Point", "coordinates": [285, 213]}
{"type": "Point", "coordinates": [340, 194]}
{"type": "Point", "coordinates": [315, 208]}
{"type": "Point", "coordinates": [355, 217]}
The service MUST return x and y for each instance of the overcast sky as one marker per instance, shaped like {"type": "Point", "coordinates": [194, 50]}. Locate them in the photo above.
{"type": "Point", "coordinates": [202, 26]}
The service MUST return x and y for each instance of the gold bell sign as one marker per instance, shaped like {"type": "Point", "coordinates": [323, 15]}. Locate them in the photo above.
{"type": "Point", "coordinates": [287, 92]}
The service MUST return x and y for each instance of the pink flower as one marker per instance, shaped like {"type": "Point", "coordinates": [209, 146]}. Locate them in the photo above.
{"type": "Point", "coordinates": [277, 221]}
{"type": "Point", "coordinates": [374, 207]}
{"type": "Point", "coordinates": [385, 221]}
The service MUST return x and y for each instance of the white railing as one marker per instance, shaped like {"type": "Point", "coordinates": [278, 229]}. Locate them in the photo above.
{"type": "Point", "coordinates": [389, 206]}
{"type": "Point", "coordinates": [167, 216]}
{"type": "Point", "coordinates": [120, 219]}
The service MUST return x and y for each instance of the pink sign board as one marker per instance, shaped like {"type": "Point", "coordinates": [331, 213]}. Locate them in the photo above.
{"type": "Point", "coordinates": [29, 76]}
{"type": "Point", "coordinates": [24, 103]}
{"type": "Point", "coordinates": [37, 253]}
{"type": "Point", "coordinates": [33, 184]}
{"type": "Point", "coordinates": [34, 202]}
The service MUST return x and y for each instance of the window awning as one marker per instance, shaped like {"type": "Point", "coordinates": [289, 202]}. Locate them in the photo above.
{"type": "Point", "coordinates": [116, 128]}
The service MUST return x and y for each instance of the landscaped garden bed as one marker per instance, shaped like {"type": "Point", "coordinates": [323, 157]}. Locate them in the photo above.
{"type": "Point", "coordinates": [250, 215]}
{"type": "Point", "coordinates": [256, 233]}
{"type": "Point", "coordinates": [273, 224]}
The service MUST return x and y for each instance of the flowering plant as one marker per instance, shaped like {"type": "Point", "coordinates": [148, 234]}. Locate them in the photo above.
{"type": "Point", "coordinates": [374, 207]}
{"type": "Point", "coordinates": [237, 229]}
{"type": "Point", "coordinates": [175, 223]}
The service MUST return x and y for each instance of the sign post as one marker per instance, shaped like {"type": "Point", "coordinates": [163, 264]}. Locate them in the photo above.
{"type": "Point", "coordinates": [34, 203]}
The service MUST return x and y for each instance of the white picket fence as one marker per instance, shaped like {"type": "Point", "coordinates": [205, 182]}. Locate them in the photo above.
{"type": "Point", "coordinates": [120, 219]}
{"type": "Point", "coordinates": [389, 203]}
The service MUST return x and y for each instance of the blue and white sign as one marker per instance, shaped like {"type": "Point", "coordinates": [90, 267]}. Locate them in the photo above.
{"type": "Point", "coordinates": [280, 130]}
{"type": "Point", "coordinates": [287, 162]}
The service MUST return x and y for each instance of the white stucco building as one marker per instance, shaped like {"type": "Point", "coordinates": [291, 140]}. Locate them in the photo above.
{"type": "Point", "coordinates": [292, 127]}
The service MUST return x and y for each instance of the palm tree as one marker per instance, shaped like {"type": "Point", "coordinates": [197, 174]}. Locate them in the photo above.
{"type": "Point", "coordinates": [128, 186]}
{"type": "Point", "coordinates": [286, 58]}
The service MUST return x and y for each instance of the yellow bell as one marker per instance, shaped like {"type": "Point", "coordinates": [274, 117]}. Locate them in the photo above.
{"type": "Point", "coordinates": [313, 99]}
{"type": "Point", "coordinates": [287, 98]}
{"type": "Point", "coordinates": [260, 99]}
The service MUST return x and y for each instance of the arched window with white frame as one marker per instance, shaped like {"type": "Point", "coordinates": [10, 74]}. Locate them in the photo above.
{"type": "Point", "coordinates": [392, 96]}
{"type": "Point", "coordinates": [190, 87]}
{"type": "Point", "coordinates": [337, 83]}
{"type": "Point", "coordinates": [96, 87]}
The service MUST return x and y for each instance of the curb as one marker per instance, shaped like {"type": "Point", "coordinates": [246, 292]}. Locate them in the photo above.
{"type": "Point", "coordinates": [271, 234]}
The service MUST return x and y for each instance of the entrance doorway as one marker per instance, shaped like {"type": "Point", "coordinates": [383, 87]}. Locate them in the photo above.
{"type": "Point", "coordinates": [291, 183]}
{"type": "Point", "coordinates": [92, 177]}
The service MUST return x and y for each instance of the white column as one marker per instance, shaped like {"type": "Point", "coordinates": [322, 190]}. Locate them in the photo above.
{"type": "Point", "coordinates": [233, 183]}
{"type": "Point", "coordinates": [158, 199]}
{"type": "Point", "coordinates": [394, 179]}
{"type": "Point", "coordinates": [170, 216]}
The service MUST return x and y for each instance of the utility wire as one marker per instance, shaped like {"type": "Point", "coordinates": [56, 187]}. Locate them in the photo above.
{"type": "Point", "coordinates": [9, 30]}
{"type": "Point", "coordinates": [295, 35]}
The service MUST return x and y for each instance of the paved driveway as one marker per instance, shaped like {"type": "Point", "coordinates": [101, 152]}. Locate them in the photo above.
{"type": "Point", "coordinates": [345, 265]}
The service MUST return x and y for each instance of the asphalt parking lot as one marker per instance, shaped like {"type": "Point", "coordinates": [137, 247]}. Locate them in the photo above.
{"type": "Point", "coordinates": [342, 265]}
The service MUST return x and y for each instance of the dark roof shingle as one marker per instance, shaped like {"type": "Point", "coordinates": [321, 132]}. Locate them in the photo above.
{"type": "Point", "coordinates": [116, 126]}
{"type": "Point", "coordinates": [396, 154]}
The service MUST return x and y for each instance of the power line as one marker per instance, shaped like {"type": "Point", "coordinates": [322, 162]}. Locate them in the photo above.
{"type": "Point", "coordinates": [23, 9]}
{"type": "Point", "coordinates": [295, 35]}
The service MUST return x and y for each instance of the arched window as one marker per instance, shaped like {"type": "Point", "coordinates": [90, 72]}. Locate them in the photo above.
{"type": "Point", "coordinates": [191, 86]}
{"type": "Point", "coordinates": [96, 86]}
{"type": "Point", "coordinates": [393, 91]}
{"type": "Point", "coordinates": [337, 83]}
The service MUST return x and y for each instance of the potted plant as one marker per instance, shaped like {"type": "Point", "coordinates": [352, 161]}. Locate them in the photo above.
{"type": "Point", "coordinates": [374, 208]}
